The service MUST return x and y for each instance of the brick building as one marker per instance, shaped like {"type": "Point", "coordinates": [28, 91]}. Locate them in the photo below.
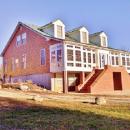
{"type": "Point", "coordinates": [66, 61]}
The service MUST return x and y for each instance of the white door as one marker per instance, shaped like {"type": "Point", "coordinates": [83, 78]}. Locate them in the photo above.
{"type": "Point", "coordinates": [103, 60]}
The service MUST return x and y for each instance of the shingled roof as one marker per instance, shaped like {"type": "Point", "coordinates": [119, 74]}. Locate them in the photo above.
{"type": "Point", "coordinates": [38, 30]}
{"type": "Point", "coordinates": [97, 33]}
{"type": "Point", "coordinates": [75, 29]}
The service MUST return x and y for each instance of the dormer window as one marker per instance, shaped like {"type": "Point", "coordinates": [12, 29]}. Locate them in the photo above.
{"type": "Point", "coordinates": [59, 31]}
{"type": "Point", "coordinates": [55, 29]}
{"type": "Point", "coordinates": [104, 41]}
{"type": "Point", "coordinates": [84, 37]}
{"type": "Point", "coordinates": [80, 34]}
{"type": "Point", "coordinates": [99, 38]}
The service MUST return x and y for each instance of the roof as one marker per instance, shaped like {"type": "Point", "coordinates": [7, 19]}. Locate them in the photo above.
{"type": "Point", "coordinates": [68, 38]}
{"type": "Point", "coordinates": [97, 33]}
{"type": "Point", "coordinates": [50, 23]}
{"type": "Point", "coordinates": [34, 28]}
{"type": "Point", "coordinates": [37, 30]}
{"type": "Point", "coordinates": [75, 29]}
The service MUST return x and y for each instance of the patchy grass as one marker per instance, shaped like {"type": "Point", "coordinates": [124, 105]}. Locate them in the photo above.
{"type": "Point", "coordinates": [59, 115]}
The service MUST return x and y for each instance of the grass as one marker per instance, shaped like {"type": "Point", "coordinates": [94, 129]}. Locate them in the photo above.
{"type": "Point", "coordinates": [59, 115]}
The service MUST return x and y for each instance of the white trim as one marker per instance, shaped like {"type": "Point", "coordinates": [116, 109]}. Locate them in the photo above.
{"type": "Point", "coordinates": [101, 36]}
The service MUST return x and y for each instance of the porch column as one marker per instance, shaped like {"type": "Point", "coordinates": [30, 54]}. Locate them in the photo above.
{"type": "Point", "coordinates": [65, 82]}
{"type": "Point", "coordinates": [82, 77]}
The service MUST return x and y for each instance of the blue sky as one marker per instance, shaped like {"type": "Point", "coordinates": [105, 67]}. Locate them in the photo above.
{"type": "Point", "coordinates": [112, 16]}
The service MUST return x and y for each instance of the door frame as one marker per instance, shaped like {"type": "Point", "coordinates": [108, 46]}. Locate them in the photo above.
{"type": "Point", "coordinates": [102, 53]}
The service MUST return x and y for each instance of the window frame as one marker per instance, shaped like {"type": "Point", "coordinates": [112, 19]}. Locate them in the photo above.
{"type": "Point", "coordinates": [84, 37]}
{"type": "Point", "coordinates": [24, 61]}
{"type": "Point", "coordinates": [41, 56]}
{"type": "Point", "coordinates": [24, 38]}
{"type": "Point", "coordinates": [18, 40]}
{"type": "Point", "coordinates": [61, 31]}
{"type": "Point", "coordinates": [104, 41]}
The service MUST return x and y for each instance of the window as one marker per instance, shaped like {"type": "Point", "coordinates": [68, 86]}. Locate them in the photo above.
{"type": "Point", "coordinates": [23, 62]}
{"type": "Point", "coordinates": [94, 58]}
{"type": "Point", "coordinates": [84, 57]}
{"type": "Point", "coordinates": [128, 61]}
{"type": "Point", "coordinates": [123, 60]}
{"type": "Point", "coordinates": [43, 57]}
{"type": "Point", "coordinates": [59, 31]}
{"type": "Point", "coordinates": [12, 64]}
{"type": "Point", "coordinates": [113, 63]}
{"type": "Point", "coordinates": [23, 38]}
{"type": "Point", "coordinates": [17, 63]}
{"type": "Point", "coordinates": [70, 64]}
{"type": "Point", "coordinates": [53, 57]}
{"type": "Point", "coordinates": [89, 57]}
{"type": "Point", "coordinates": [78, 55]}
{"type": "Point", "coordinates": [104, 41]}
{"type": "Point", "coordinates": [18, 40]}
{"type": "Point", "coordinates": [5, 66]}
{"type": "Point", "coordinates": [59, 56]}
{"type": "Point", "coordinates": [70, 55]}
{"type": "Point", "coordinates": [84, 36]}
{"type": "Point", "coordinates": [78, 65]}
{"type": "Point", "coordinates": [117, 61]}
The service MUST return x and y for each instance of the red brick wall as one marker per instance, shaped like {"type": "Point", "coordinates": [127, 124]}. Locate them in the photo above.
{"type": "Point", "coordinates": [31, 48]}
{"type": "Point", "coordinates": [104, 84]}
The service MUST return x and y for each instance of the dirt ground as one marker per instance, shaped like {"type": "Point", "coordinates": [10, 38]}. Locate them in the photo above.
{"type": "Point", "coordinates": [76, 97]}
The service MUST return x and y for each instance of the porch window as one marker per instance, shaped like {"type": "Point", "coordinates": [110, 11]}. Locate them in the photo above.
{"type": "Point", "coordinates": [128, 61]}
{"type": "Point", "coordinates": [89, 57]}
{"type": "Point", "coordinates": [70, 55]}
{"type": "Point", "coordinates": [117, 61]}
{"type": "Point", "coordinates": [113, 63]}
{"type": "Point", "coordinates": [53, 57]}
{"type": "Point", "coordinates": [78, 55]}
{"type": "Point", "coordinates": [59, 56]}
{"type": "Point", "coordinates": [94, 58]}
{"type": "Point", "coordinates": [84, 57]}
{"type": "Point", "coordinates": [78, 65]}
{"type": "Point", "coordinates": [43, 57]}
{"type": "Point", "coordinates": [70, 64]}
{"type": "Point", "coordinates": [123, 60]}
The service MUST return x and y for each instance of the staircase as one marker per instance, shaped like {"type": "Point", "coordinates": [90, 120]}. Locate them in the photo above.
{"type": "Point", "coordinates": [86, 88]}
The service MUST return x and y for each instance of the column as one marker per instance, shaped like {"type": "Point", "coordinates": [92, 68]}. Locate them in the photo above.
{"type": "Point", "coordinates": [82, 77]}
{"type": "Point", "coordinates": [65, 82]}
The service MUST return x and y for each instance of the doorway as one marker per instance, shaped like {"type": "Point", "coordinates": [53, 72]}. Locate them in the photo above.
{"type": "Point", "coordinates": [103, 59]}
{"type": "Point", "coordinates": [117, 81]}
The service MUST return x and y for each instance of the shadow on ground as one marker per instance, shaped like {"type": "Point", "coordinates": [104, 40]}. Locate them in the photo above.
{"type": "Point", "coordinates": [28, 116]}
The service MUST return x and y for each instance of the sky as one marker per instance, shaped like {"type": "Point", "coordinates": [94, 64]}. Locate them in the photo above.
{"type": "Point", "coordinates": [110, 16]}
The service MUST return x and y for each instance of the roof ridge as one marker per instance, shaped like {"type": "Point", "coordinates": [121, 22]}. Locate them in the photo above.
{"type": "Point", "coordinates": [74, 29]}
{"type": "Point", "coordinates": [96, 33]}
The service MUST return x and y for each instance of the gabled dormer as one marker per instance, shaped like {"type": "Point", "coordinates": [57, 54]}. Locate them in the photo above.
{"type": "Point", "coordinates": [80, 34]}
{"type": "Point", "coordinates": [99, 38]}
{"type": "Point", "coordinates": [55, 29]}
